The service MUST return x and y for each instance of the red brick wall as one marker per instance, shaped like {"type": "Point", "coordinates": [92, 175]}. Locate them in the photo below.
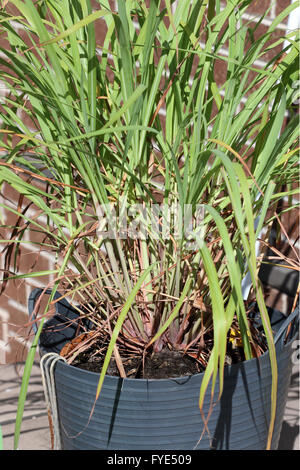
{"type": "Point", "coordinates": [13, 302]}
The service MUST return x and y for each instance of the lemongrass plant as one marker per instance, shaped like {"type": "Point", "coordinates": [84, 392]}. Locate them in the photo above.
{"type": "Point", "coordinates": [156, 179]}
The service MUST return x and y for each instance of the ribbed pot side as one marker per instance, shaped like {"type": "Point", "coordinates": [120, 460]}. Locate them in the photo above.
{"type": "Point", "coordinates": [164, 414]}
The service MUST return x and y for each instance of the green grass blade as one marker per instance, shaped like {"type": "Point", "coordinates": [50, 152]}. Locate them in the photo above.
{"type": "Point", "coordinates": [263, 159]}
{"type": "Point", "coordinates": [126, 62]}
{"type": "Point", "coordinates": [84, 22]}
{"type": "Point", "coordinates": [265, 206]}
{"type": "Point", "coordinates": [236, 281]}
{"type": "Point", "coordinates": [118, 326]}
{"type": "Point", "coordinates": [174, 313]}
{"type": "Point", "coordinates": [93, 64]}
{"type": "Point", "coordinates": [24, 386]}
{"type": "Point", "coordinates": [216, 363]}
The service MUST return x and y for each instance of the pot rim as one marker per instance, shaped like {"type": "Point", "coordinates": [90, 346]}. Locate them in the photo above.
{"type": "Point", "coordinates": [252, 363]}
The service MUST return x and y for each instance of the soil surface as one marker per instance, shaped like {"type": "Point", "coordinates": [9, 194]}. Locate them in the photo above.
{"type": "Point", "coordinates": [164, 364]}
{"type": "Point", "coordinates": [156, 365]}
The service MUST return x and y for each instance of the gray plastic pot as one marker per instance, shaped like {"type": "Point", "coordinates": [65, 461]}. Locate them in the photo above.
{"type": "Point", "coordinates": [162, 414]}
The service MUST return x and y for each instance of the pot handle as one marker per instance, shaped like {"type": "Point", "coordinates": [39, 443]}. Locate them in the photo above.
{"type": "Point", "coordinates": [33, 297]}
{"type": "Point", "coordinates": [293, 317]}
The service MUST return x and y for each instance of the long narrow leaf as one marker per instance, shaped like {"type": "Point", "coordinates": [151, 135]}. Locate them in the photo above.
{"type": "Point", "coordinates": [118, 326]}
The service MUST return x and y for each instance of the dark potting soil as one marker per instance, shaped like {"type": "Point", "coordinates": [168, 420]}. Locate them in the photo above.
{"type": "Point", "coordinates": [159, 365]}
{"type": "Point", "coordinates": [164, 364]}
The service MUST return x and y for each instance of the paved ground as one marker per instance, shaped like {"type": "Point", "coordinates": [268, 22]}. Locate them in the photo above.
{"type": "Point", "coordinates": [35, 433]}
